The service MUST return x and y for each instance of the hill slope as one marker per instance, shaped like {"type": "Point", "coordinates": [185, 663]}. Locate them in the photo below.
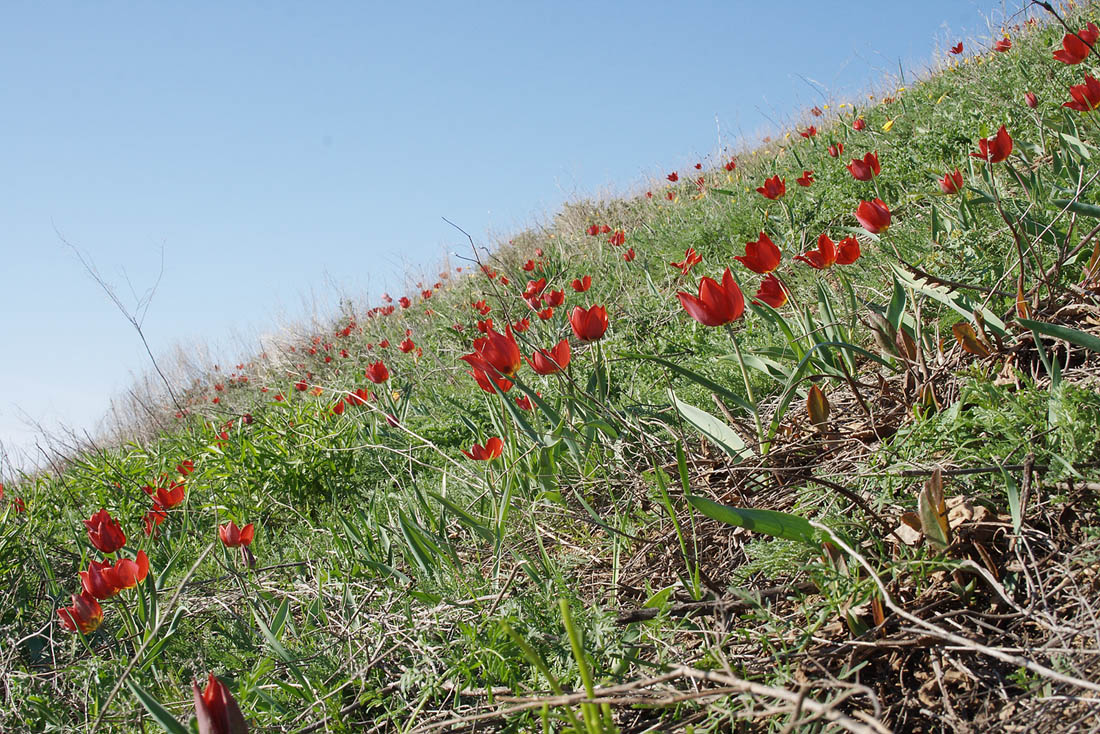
{"type": "Point", "coordinates": [872, 503]}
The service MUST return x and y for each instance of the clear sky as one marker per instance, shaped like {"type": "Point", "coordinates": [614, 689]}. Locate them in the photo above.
{"type": "Point", "coordinates": [282, 153]}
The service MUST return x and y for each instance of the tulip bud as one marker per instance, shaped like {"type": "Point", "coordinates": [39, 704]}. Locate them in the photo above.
{"type": "Point", "coordinates": [1031, 99]}
{"type": "Point", "coordinates": [216, 710]}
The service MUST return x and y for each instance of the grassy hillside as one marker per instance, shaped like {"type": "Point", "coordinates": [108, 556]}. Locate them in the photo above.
{"type": "Point", "coordinates": [870, 507]}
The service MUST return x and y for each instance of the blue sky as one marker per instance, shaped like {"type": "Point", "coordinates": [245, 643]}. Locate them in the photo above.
{"type": "Point", "coordinates": [283, 153]}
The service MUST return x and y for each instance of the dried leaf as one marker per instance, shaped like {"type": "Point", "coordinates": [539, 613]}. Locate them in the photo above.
{"type": "Point", "coordinates": [817, 405]}
{"type": "Point", "coordinates": [1022, 310]}
{"type": "Point", "coordinates": [968, 340]}
{"type": "Point", "coordinates": [906, 345]}
{"type": "Point", "coordinates": [933, 512]}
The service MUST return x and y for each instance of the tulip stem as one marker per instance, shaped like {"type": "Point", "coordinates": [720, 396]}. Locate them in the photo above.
{"type": "Point", "coordinates": [748, 391]}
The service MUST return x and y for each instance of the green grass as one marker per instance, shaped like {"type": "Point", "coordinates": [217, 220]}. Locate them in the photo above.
{"type": "Point", "coordinates": [399, 584]}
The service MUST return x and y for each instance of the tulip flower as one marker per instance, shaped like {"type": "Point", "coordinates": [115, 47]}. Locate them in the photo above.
{"type": "Point", "coordinates": [491, 450]}
{"type": "Point", "coordinates": [589, 325]}
{"type": "Point", "coordinates": [716, 304]}
{"type": "Point", "coordinates": [102, 580]}
{"type": "Point", "coordinates": [873, 215]}
{"type": "Point", "coordinates": [500, 351]}
{"type": "Point", "coordinates": [618, 238]}
{"type": "Point", "coordinates": [553, 298]}
{"type": "Point", "coordinates": [1075, 47]}
{"type": "Point", "coordinates": [170, 497]}
{"type": "Point", "coordinates": [773, 188]}
{"type": "Point", "coordinates": [529, 266]}
{"type": "Point", "coordinates": [104, 532]}
{"type": "Point", "coordinates": [300, 385]}
{"type": "Point", "coordinates": [629, 255]}
{"type": "Point", "coordinates": [771, 292]}
{"type": "Point", "coordinates": [580, 285]}
{"type": "Point", "coordinates": [487, 378]}
{"type": "Point", "coordinates": [1031, 100]}
{"type": "Point", "coordinates": [605, 229]}
{"type": "Point", "coordinates": [483, 325]}
{"type": "Point", "coordinates": [547, 362]}
{"type": "Point", "coordinates": [806, 179]}
{"type": "Point", "coordinates": [951, 183]}
{"type": "Point", "coordinates": [866, 169]}
{"type": "Point", "coordinates": [524, 403]}
{"type": "Point", "coordinates": [673, 177]}
{"type": "Point", "coordinates": [216, 710]}
{"type": "Point", "coordinates": [404, 301]}
{"type": "Point", "coordinates": [821, 258]}
{"type": "Point", "coordinates": [85, 614]}
{"type": "Point", "coordinates": [996, 148]}
{"type": "Point", "coordinates": [691, 259]}
{"type": "Point", "coordinates": [186, 467]}
{"type": "Point", "coordinates": [407, 345]}
{"type": "Point", "coordinates": [153, 518]}
{"type": "Point", "coordinates": [808, 132]}
{"type": "Point", "coordinates": [1002, 45]}
{"type": "Point", "coordinates": [956, 49]}
{"type": "Point", "coordinates": [847, 251]}
{"type": "Point", "coordinates": [521, 325]}
{"type": "Point", "coordinates": [836, 149]}
{"type": "Point", "coordinates": [360, 396]}
{"type": "Point", "coordinates": [1086, 97]}
{"type": "Point", "coordinates": [593, 230]}
{"type": "Point", "coordinates": [234, 537]}
{"type": "Point", "coordinates": [546, 313]}
{"type": "Point", "coordinates": [761, 256]}
{"type": "Point", "coordinates": [534, 289]}
{"type": "Point", "coordinates": [816, 111]}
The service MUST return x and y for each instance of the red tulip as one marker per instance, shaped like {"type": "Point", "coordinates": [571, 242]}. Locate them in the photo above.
{"type": "Point", "coordinates": [773, 188]}
{"type": "Point", "coordinates": [956, 49]}
{"type": "Point", "coordinates": [491, 450]}
{"type": "Point", "coordinates": [553, 298]}
{"type": "Point", "coordinates": [546, 313]}
{"type": "Point", "coordinates": [186, 467]}
{"type": "Point", "coordinates": [771, 292]}
{"type": "Point", "coordinates": [377, 373]}
{"type": "Point", "coordinates": [806, 179]}
{"type": "Point", "coordinates": [104, 532]}
{"type": "Point", "coordinates": [216, 710]}
{"type": "Point", "coordinates": [691, 259]}
{"type": "Point", "coordinates": [1002, 45]}
{"type": "Point", "coordinates": [618, 238]}
{"type": "Point", "coordinates": [1031, 100]}
{"type": "Point", "coordinates": [483, 325]}
{"type": "Point", "coordinates": [404, 301]}
{"type": "Point", "coordinates": [97, 580]}
{"type": "Point", "coordinates": [529, 266]}
{"type": "Point", "coordinates": [847, 251]}
{"type": "Point", "coordinates": [593, 230]}
{"type": "Point", "coordinates": [361, 396]}
{"type": "Point", "coordinates": [17, 503]}
{"type": "Point", "coordinates": [605, 229]}
{"type": "Point", "coordinates": [534, 289]}
{"type": "Point", "coordinates": [629, 255]}
{"type": "Point", "coordinates": [1075, 47]}
{"type": "Point", "coordinates": [235, 537]}
{"type": "Point", "coordinates": [407, 345]}
{"type": "Point", "coordinates": [716, 304]}
{"type": "Point", "coordinates": [547, 362]}
{"type": "Point", "coordinates": [859, 123]}
{"type": "Point", "coordinates": [500, 351]}
{"type": "Point", "coordinates": [836, 149]}
{"type": "Point", "coordinates": [995, 149]}
{"type": "Point", "coordinates": [816, 111]}
{"type": "Point", "coordinates": [761, 256]}
{"type": "Point", "coordinates": [589, 325]}
{"type": "Point", "coordinates": [170, 497]}
{"type": "Point", "coordinates": [1086, 97]}
{"type": "Point", "coordinates": [524, 403]}
{"type": "Point", "coordinates": [873, 215]}
{"type": "Point", "coordinates": [823, 257]}
{"type": "Point", "coordinates": [522, 325]}
{"type": "Point", "coordinates": [85, 614]}
{"type": "Point", "coordinates": [866, 169]}
{"type": "Point", "coordinates": [300, 386]}
{"type": "Point", "coordinates": [338, 409]}
{"type": "Point", "coordinates": [808, 132]}
{"type": "Point", "coordinates": [951, 183]}
{"type": "Point", "coordinates": [698, 166]}
{"type": "Point", "coordinates": [731, 165]}
{"type": "Point", "coordinates": [487, 378]}
{"type": "Point", "coordinates": [580, 285]}
{"type": "Point", "coordinates": [673, 177]}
